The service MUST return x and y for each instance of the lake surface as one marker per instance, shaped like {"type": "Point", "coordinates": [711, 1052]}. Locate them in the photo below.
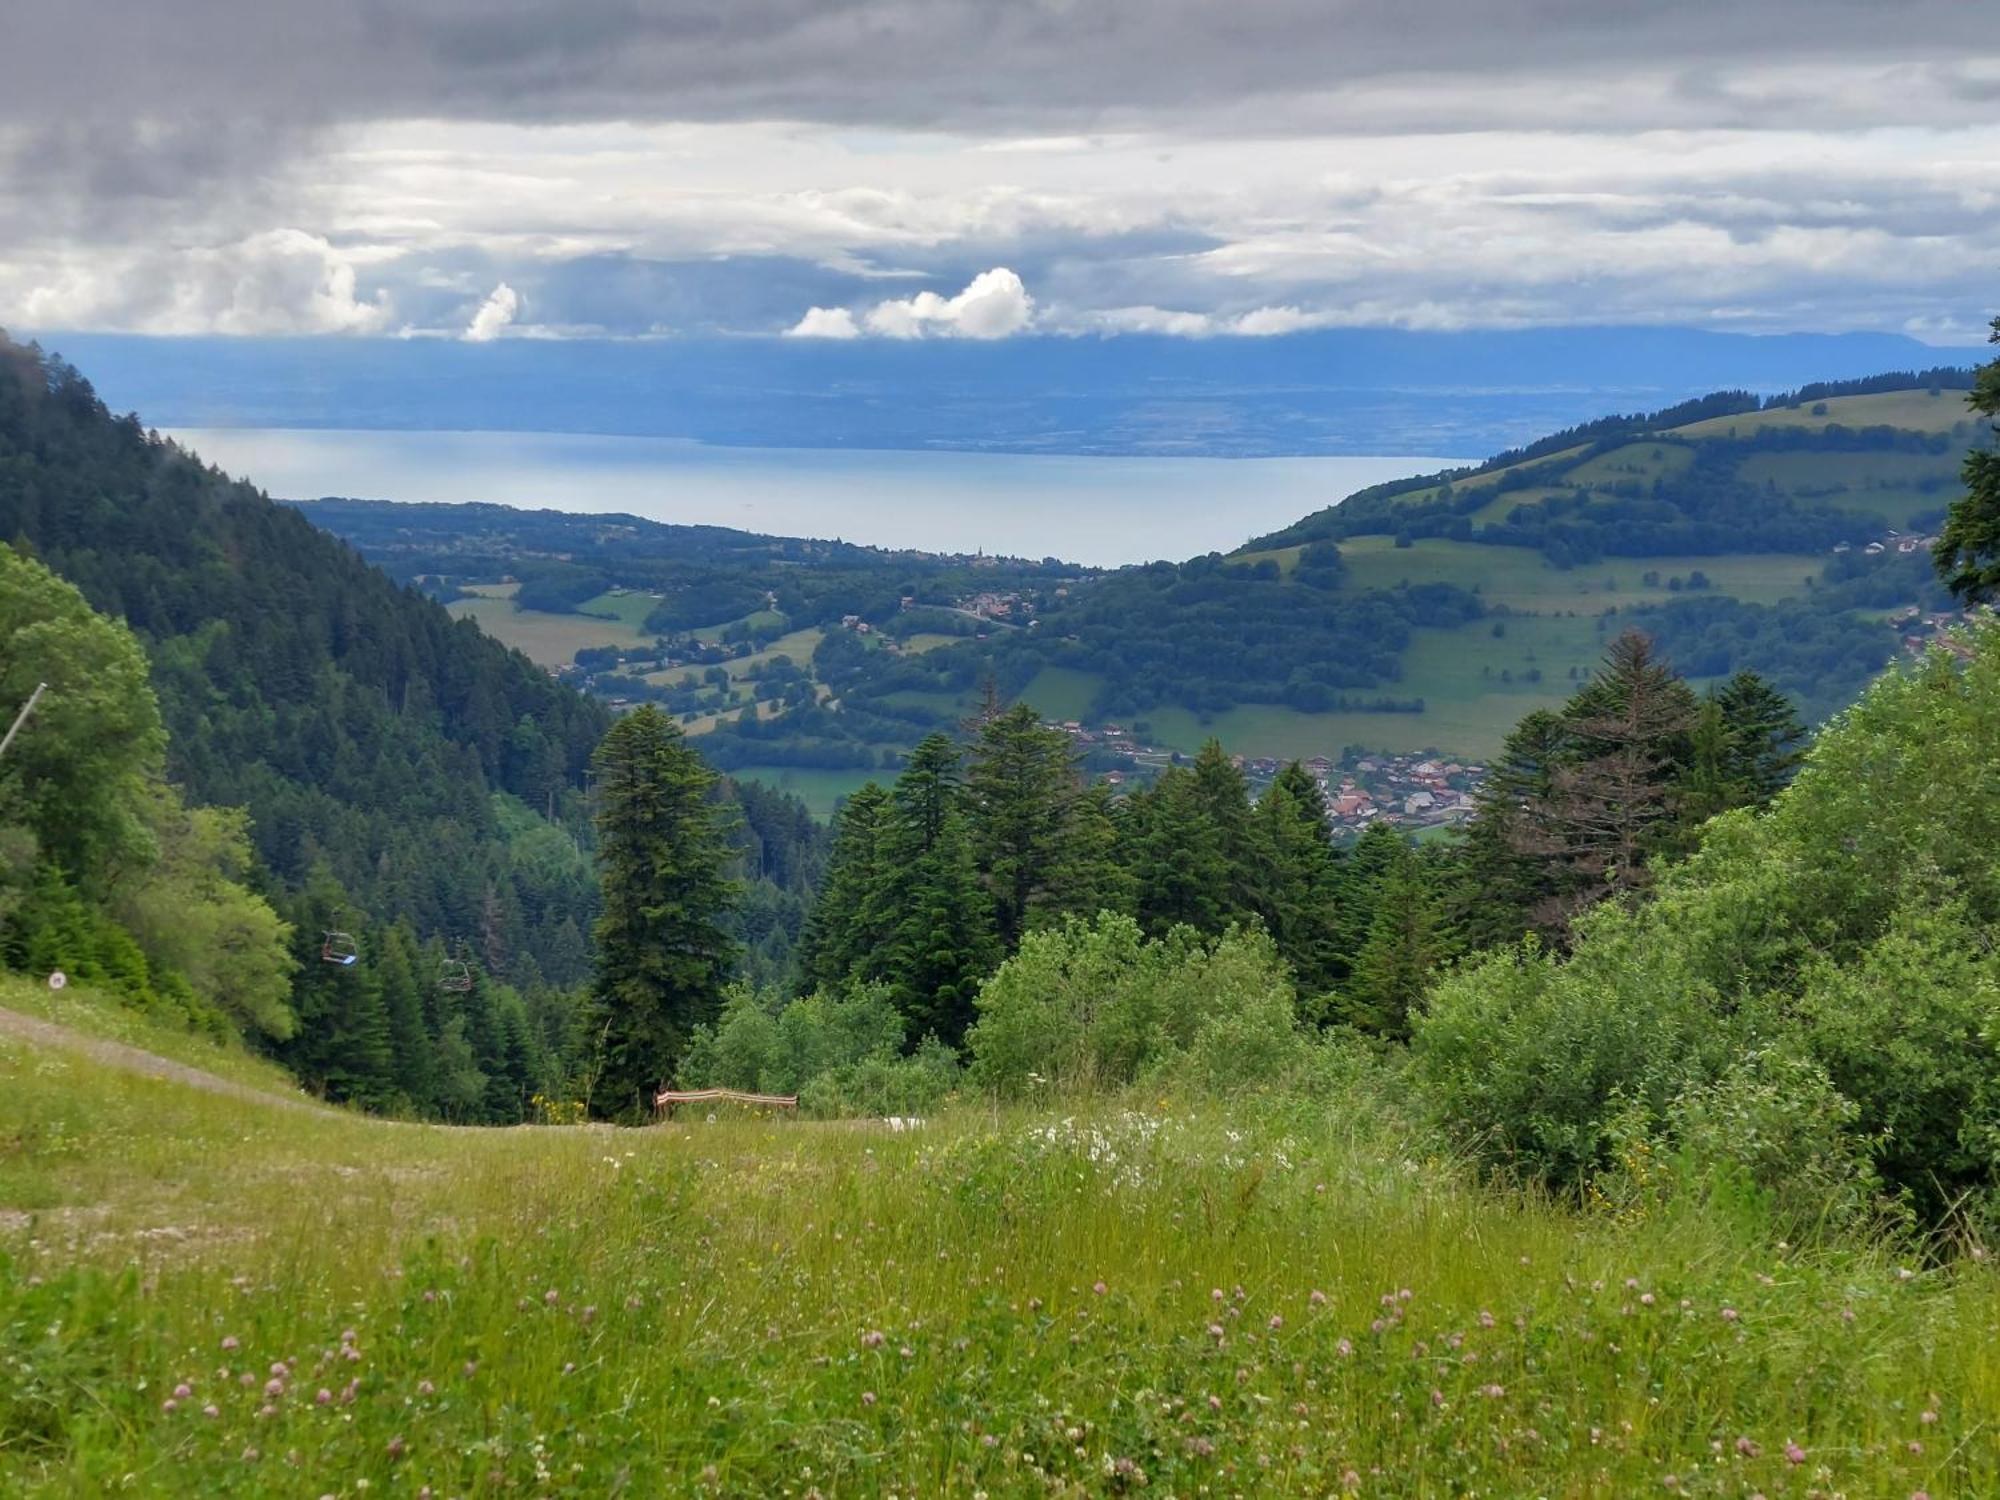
{"type": "Point", "coordinates": [1091, 510]}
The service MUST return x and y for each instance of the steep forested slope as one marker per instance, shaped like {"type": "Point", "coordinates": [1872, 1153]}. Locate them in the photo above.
{"type": "Point", "coordinates": [364, 729]}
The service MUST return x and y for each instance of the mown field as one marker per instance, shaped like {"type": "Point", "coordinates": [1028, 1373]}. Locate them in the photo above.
{"type": "Point", "coordinates": [205, 1296]}
{"type": "Point", "coordinates": [548, 640]}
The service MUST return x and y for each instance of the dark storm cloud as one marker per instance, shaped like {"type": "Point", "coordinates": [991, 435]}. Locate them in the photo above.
{"type": "Point", "coordinates": [970, 64]}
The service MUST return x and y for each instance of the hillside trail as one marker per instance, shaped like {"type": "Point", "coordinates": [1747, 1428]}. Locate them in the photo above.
{"type": "Point", "coordinates": [14, 1023]}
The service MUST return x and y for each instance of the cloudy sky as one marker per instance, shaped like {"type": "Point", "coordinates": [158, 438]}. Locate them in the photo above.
{"type": "Point", "coordinates": [911, 169]}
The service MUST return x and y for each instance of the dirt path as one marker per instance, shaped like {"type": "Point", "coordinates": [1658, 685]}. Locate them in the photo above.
{"type": "Point", "coordinates": [48, 1034]}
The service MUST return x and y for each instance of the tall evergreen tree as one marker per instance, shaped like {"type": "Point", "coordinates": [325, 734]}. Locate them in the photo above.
{"type": "Point", "coordinates": [1224, 794]}
{"type": "Point", "coordinates": [1300, 889]}
{"type": "Point", "coordinates": [1180, 871]}
{"type": "Point", "coordinates": [842, 934]}
{"type": "Point", "coordinates": [1404, 947]}
{"type": "Point", "coordinates": [1968, 549]}
{"type": "Point", "coordinates": [1089, 875]}
{"type": "Point", "coordinates": [929, 899]}
{"type": "Point", "coordinates": [662, 953]}
{"type": "Point", "coordinates": [1503, 883]}
{"type": "Point", "coordinates": [1020, 788]}
{"type": "Point", "coordinates": [1765, 736]}
{"type": "Point", "coordinates": [413, 1061]}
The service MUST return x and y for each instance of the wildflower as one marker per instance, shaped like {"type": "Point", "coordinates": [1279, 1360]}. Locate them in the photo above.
{"type": "Point", "coordinates": [211, 1410]}
{"type": "Point", "coordinates": [1215, 1294]}
{"type": "Point", "coordinates": [394, 1448]}
{"type": "Point", "coordinates": [471, 1368]}
{"type": "Point", "coordinates": [229, 1344]}
{"type": "Point", "coordinates": [183, 1391]}
{"type": "Point", "coordinates": [1215, 1332]}
{"type": "Point", "coordinates": [872, 1339]}
{"type": "Point", "coordinates": [907, 1352]}
{"type": "Point", "coordinates": [1343, 1349]}
{"type": "Point", "coordinates": [251, 1455]}
{"type": "Point", "coordinates": [1729, 1315]}
{"type": "Point", "coordinates": [1485, 1318]}
{"type": "Point", "coordinates": [551, 1296]}
{"type": "Point", "coordinates": [1215, 1403]}
{"type": "Point", "coordinates": [1747, 1448]}
{"type": "Point", "coordinates": [425, 1388]}
{"type": "Point", "coordinates": [1098, 1287]}
{"type": "Point", "coordinates": [323, 1398]}
{"type": "Point", "coordinates": [170, 1406]}
{"type": "Point", "coordinates": [280, 1370]}
{"type": "Point", "coordinates": [1317, 1298]}
{"type": "Point", "coordinates": [1645, 1299]}
{"type": "Point", "coordinates": [1276, 1323]}
{"type": "Point", "coordinates": [867, 1398]}
{"type": "Point", "coordinates": [1437, 1397]}
{"type": "Point", "coordinates": [347, 1335]}
{"type": "Point", "coordinates": [1927, 1416]}
{"type": "Point", "coordinates": [1794, 1454]}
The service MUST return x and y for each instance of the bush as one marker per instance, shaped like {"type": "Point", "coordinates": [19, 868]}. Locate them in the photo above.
{"type": "Point", "coordinates": [1093, 1004]}
{"type": "Point", "coordinates": [1849, 931]}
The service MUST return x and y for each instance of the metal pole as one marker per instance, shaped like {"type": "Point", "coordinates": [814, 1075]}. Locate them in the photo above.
{"type": "Point", "coordinates": [22, 717]}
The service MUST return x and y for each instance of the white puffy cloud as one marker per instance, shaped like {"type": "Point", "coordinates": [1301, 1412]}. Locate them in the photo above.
{"type": "Point", "coordinates": [494, 314]}
{"type": "Point", "coordinates": [279, 281]}
{"type": "Point", "coordinates": [825, 323]}
{"type": "Point", "coordinates": [993, 305]}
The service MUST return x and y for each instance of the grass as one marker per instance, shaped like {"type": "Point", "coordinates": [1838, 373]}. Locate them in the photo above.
{"type": "Point", "coordinates": [1061, 693]}
{"type": "Point", "coordinates": [1917, 410]}
{"type": "Point", "coordinates": [1522, 579]}
{"type": "Point", "coordinates": [548, 640]}
{"type": "Point", "coordinates": [820, 790]}
{"type": "Point", "coordinates": [629, 609]}
{"type": "Point", "coordinates": [214, 1298]}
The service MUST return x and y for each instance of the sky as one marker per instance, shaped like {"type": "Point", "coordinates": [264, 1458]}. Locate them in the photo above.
{"type": "Point", "coordinates": [993, 169]}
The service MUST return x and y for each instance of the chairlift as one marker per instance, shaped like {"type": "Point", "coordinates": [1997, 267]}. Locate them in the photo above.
{"type": "Point", "coordinates": [455, 975]}
{"type": "Point", "coordinates": [339, 948]}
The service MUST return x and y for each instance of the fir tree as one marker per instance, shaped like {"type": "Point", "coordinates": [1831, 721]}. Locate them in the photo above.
{"type": "Point", "coordinates": [1404, 947]}
{"type": "Point", "coordinates": [1175, 853]}
{"type": "Point", "coordinates": [1088, 875]}
{"type": "Point", "coordinates": [662, 954]}
{"type": "Point", "coordinates": [1765, 738]}
{"type": "Point", "coordinates": [1224, 795]}
{"type": "Point", "coordinates": [929, 899]}
{"type": "Point", "coordinates": [839, 940]}
{"type": "Point", "coordinates": [1299, 889]}
{"type": "Point", "coordinates": [1968, 549]}
{"type": "Point", "coordinates": [1020, 788]}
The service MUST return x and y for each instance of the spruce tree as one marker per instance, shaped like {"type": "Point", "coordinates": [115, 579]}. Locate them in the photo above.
{"type": "Point", "coordinates": [662, 954]}
{"type": "Point", "coordinates": [1019, 790]}
{"type": "Point", "coordinates": [1404, 947]}
{"type": "Point", "coordinates": [1181, 876]}
{"type": "Point", "coordinates": [1506, 886]}
{"type": "Point", "coordinates": [1224, 795]}
{"type": "Point", "coordinates": [841, 938]}
{"type": "Point", "coordinates": [928, 898]}
{"type": "Point", "coordinates": [1968, 549]}
{"type": "Point", "coordinates": [1765, 737]}
{"type": "Point", "coordinates": [1089, 875]}
{"type": "Point", "coordinates": [414, 1061]}
{"type": "Point", "coordinates": [1299, 880]}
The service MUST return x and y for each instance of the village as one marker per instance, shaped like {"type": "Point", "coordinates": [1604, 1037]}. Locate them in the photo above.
{"type": "Point", "coordinates": [1411, 791]}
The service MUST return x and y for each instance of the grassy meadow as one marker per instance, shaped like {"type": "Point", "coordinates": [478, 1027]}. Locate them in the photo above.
{"type": "Point", "coordinates": [201, 1295]}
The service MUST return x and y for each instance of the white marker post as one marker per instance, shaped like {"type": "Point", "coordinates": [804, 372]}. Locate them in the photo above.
{"type": "Point", "coordinates": [22, 717]}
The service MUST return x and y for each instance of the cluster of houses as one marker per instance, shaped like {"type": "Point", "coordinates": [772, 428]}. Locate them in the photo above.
{"type": "Point", "coordinates": [1891, 541]}
{"type": "Point", "coordinates": [1921, 631]}
{"type": "Point", "coordinates": [1410, 791]}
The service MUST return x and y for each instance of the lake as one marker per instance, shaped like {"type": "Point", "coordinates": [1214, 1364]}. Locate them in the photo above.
{"type": "Point", "coordinates": [1092, 510]}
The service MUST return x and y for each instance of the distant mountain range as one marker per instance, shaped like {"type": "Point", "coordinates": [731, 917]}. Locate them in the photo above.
{"type": "Point", "coordinates": [1353, 391]}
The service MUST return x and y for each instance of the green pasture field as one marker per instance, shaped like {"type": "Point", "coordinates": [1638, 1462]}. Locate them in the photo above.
{"type": "Point", "coordinates": [1919, 411]}
{"type": "Point", "coordinates": [821, 790]}
{"type": "Point", "coordinates": [548, 640]}
{"type": "Point", "coordinates": [202, 1295]}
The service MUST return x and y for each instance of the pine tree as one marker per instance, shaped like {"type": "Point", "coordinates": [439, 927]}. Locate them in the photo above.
{"type": "Point", "coordinates": [1299, 891]}
{"type": "Point", "coordinates": [1020, 788]}
{"type": "Point", "coordinates": [662, 954]}
{"type": "Point", "coordinates": [1968, 549]}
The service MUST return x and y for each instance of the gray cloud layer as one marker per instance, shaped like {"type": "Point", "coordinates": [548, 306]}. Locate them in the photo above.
{"type": "Point", "coordinates": [1194, 166]}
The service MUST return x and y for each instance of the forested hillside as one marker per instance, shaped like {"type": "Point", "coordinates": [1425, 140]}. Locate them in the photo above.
{"type": "Point", "coordinates": [408, 781]}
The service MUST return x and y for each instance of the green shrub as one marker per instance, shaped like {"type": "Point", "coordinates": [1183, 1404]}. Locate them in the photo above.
{"type": "Point", "coordinates": [1094, 1004]}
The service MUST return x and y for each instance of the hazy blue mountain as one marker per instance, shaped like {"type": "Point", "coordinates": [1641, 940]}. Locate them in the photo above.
{"type": "Point", "coordinates": [1344, 391]}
